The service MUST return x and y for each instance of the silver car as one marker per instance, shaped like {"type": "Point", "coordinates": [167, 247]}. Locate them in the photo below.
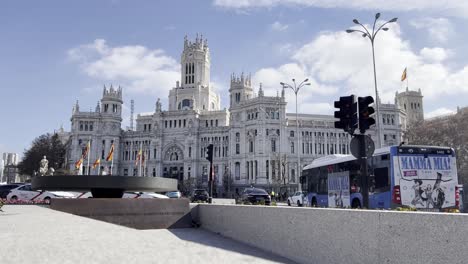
{"type": "Point", "coordinates": [175, 194]}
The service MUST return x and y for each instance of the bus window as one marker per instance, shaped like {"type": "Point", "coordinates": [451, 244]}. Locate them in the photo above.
{"type": "Point", "coordinates": [355, 184]}
{"type": "Point", "coordinates": [381, 179]}
{"type": "Point", "coordinates": [322, 180]}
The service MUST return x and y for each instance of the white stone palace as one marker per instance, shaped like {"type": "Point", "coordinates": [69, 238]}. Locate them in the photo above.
{"type": "Point", "coordinates": [255, 140]}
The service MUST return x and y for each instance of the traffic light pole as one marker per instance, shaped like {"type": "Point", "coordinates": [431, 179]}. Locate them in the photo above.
{"type": "Point", "coordinates": [364, 170]}
{"type": "Point", "coordinates": [209, 157]}
{"type": "Point", "coordinates": [210, 184]}
{"type": "Point", "coordinates": [353, 115]}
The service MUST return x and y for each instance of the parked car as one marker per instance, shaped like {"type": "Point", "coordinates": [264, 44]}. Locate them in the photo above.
{"type": "Point", "coordinates": [174, 194]}
{"type": "Point", "coordinates": [142, 195]}
{"type": "Point", "coordinates": [132, 195]}
{"type": "Point", "coordinates": [256, 195]}
{"type": "Point", "coordinates": [200, 195]}
{"type": "Point", "coordinates": [5, 189]}
{"type": "Point", "coordinates": [298, 198]}
{"type": "Point", "coordinates": [25, 193]}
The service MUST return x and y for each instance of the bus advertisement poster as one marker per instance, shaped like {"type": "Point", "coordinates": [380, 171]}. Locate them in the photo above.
{"type": "Point", "coordinates": [426, 182]}
{"type": "Point", "coordinates": [338, 189]}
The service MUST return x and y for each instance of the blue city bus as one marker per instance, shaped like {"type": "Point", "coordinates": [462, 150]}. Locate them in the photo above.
{"type": "Point", "coordinates": [421, 177]}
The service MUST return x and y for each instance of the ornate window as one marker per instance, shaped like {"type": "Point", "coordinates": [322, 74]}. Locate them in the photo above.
{"type": "Point", "coordinates": [173, 154]}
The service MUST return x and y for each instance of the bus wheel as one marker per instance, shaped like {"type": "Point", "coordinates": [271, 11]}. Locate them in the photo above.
{"type": "Point", "coordinates": [356, 204]}
{"type": "Point", "coordinates": [314, 202]}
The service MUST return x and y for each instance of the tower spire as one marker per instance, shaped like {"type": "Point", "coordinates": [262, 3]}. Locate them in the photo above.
{"type": "Point", "coordinates": [98, 107]}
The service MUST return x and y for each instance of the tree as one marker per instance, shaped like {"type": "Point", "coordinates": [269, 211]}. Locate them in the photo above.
{"type": "Point", "coordinates": [187, 186]}
{"type": "Point", "coordinates": [227, 183]}
{"type": "Point", "coordinates": [48, 145]}
{"type": "Point", "coordinates": [279, 170]}
{"type": "Point", "coordinates": [448, 131]}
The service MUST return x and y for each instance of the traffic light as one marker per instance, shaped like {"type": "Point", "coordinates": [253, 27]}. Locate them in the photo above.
{"type": "Point", "coordinates": [209, 153]}
{"type": "Point", "coordinates": [347, 114]}
{"type": "Point", "coordinates": [365, 112]}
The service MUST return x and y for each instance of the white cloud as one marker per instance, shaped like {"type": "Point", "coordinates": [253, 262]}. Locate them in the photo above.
{"type": "Point", "coordinates": [137, 68]}
{"type": "Point", "coordinates": [170, 28]}
{"type": "Point", "coordinates": [435, 54]}
{"type": "Point", "coordinates": [316, 108]}
{"type": "Point", "coordinates": [286, 48]}
{"type": "Point", "coordinates": [439, 112]}
{"type": "Point", "coordinates": [271, 78]}
{"type": "Point", "coordinates": [439, 29]}
{"type": "Point", "coordinates": [341, 63]}
{"type": "Point", "coordinates": [449, 7]}
{"type": "Point", "coordinates": [277, 26]}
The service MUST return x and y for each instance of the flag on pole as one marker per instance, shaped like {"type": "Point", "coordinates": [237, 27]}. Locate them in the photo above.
{"type": "Point", "coordinates": [110, 156]}
{"type": "Point", "coordinates": [96, 163]}
{"type": "Point", "coordinates": [88, 146]}
{"type": "Point", "coordinates": [403, 76]}
{"type": "Point", "coordinates": [138, 157]}
{"type": "Point", "coordinates": [78, 163]}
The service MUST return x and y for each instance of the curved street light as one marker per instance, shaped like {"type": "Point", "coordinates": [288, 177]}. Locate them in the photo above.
{"type": "Point", "coordinates": [371, 36]}
{"type": "Point", "coordinates": [296, 89]}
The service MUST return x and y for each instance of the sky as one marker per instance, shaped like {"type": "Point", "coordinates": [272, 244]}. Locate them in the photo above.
{"type": "Point", "coordinates": [54, 53]}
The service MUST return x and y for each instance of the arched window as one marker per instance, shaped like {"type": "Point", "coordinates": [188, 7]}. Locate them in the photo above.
{"type": "Point", "coordinates": [237, 170]}
{"type": "Point", "coordinates": [212, 106]}
{"type": "Point", "coordinates": [186, 103]}
{"type": "Point", "coordinates": [174, 156]}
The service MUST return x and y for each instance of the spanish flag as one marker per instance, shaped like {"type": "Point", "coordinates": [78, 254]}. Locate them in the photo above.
{"type": "Point", "coordinates": [88, 146]}
{"type": "Point", "coordinates": [110, 156]}
{"type": "Point", "coordinates": [78, 163]}
{"type": "Point", "coordinates": [96, 163]}
{"type": "Point", "coordinates": [403, 76]}
{"type": "Point", "coordinates": [138, 157]}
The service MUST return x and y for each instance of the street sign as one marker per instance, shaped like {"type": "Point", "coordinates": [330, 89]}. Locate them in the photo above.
{"type": "Point", "coordinates": [369, 146]}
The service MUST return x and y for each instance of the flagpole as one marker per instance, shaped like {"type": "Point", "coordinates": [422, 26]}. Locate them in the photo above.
{"type": "Point", "coordinates": [131, 156]}
{"type": "Point", "coordinates": [139, 169]}
{"type": "Point", "coordinates": [112, 161]}
{"type": "Point", "coordinates": [81, 166]}
{"type": "Point", "coordinates": [89, 152]}
{"type": "Point", "coordinates": [407, 77]}
{"type": "Point", "coordinates": [99, 167]}
{"type": "Point", "coordinates": [146, 164]}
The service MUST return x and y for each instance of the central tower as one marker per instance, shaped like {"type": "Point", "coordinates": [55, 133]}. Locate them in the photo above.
{"type": "Point", "coordinates": [194, 90]}
{"type": "Point", "coordinates": [195, 62]}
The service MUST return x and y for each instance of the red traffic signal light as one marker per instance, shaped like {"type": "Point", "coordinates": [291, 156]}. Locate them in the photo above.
{"type": "Point", "coordinates": [365, 112]}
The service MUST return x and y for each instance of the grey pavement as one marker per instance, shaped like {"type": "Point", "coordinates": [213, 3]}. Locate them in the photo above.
{"type": "Point", "coordinates": [34, 234]}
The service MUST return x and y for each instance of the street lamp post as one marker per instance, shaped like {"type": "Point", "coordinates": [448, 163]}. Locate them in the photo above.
{"type": "Point", "coordinates": [367, 33]}
{"type": "Point", "coordinates": [296, 89]}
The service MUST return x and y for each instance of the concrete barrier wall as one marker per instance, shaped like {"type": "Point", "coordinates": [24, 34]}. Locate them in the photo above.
{"type": "Point", "coordinates": [315, 235]}
{"type": "Point", "coordinates": [134, 213]}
